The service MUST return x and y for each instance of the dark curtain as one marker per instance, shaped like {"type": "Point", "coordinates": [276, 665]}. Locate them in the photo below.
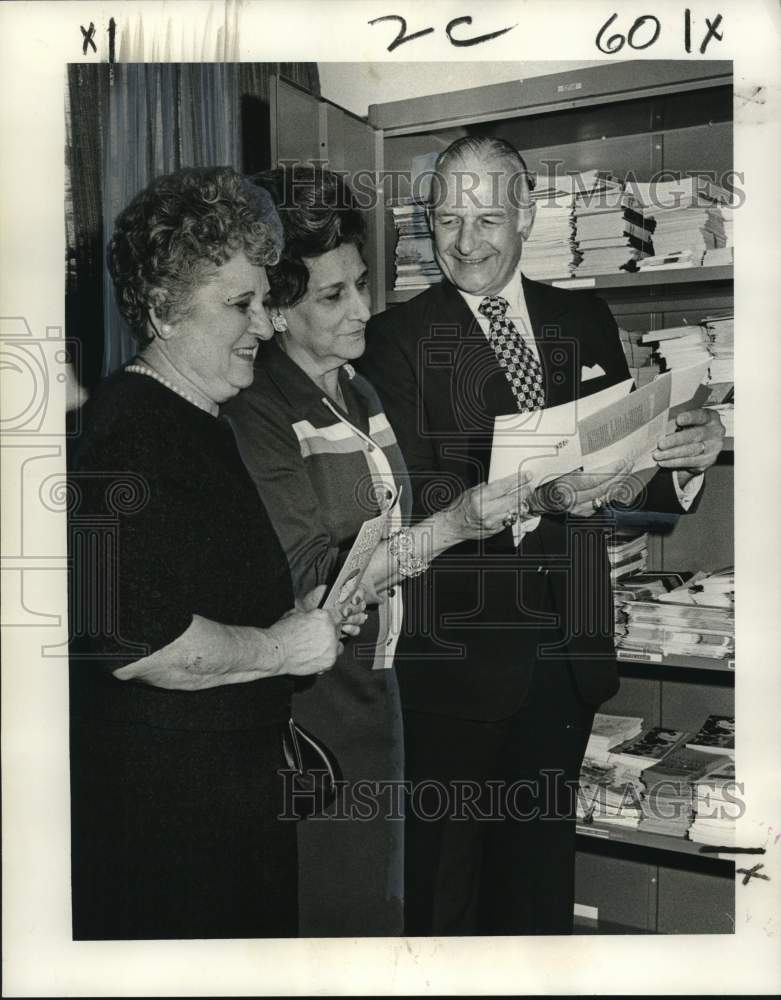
{"type": "Point", "coordinates": [127, 123]}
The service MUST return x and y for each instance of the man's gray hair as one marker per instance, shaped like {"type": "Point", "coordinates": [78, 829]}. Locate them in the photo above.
{"type": "Point", "coordinates": [487, 148]}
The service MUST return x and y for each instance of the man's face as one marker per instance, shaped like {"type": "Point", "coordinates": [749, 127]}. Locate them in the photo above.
{"type": "Point", "coordinates": [477, 225]}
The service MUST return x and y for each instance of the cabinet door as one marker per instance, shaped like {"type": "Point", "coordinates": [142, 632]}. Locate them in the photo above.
{"type": "Point", "coordinates": [296, 132]}
{"type": "Point", "coordinates": [306, 128]}
{"type": "Point", "coordinates": [354, 149]}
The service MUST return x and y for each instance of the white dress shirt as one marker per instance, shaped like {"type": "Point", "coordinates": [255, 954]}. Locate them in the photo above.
{"type": "Point", "coordinates": [518, 312]}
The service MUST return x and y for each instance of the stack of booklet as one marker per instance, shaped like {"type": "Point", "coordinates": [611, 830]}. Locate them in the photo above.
{"type": "Point", "coordinates": [689, 220]}
{"type": "Point", "coordinates": [613, 231]}
{"type": "Point", "coordinates": [708, 591]}
{"type": "Point", "coordinates": [642, 586]}
{"type": "Point", "coordinates": [721, 345]}
{"type": "Point", "coordinates": [653, 779]}
{"type": "Point", "coordinates": [415, 263]}
{"type": "Point", "coordinates": [627, 550]}
{"type": "Point", "coordinates": [726, 254]}
{"type": "Point", "coordinates": [648, 748]}
{"type": "Point", "coordinates": [696, 619]}
{"type": "Point", "coordinates": [716, 735]}
{"type": "Point", "coordinates": [667, 807]}
{"type": "Point", "coordinates": [549, 251]}
{"type": "Point", "coordinates": [711, 341]}
{"type": "Point", "coordinates": [646, 586]}
{"type": "Point", "coordinates": [608, 731]}
{"type": "Point", "coordinates": [717, 805]}
{"type": "Point", "coordinates": [609, 794]}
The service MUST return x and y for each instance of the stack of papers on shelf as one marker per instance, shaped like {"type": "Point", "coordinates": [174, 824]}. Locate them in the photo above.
{"type": "Point", "coordinates": [688, 217]}
{"type": "Point", "coordinates": [608, 731]}
{"type": "Point", "coordinates": [667, 807]}
{"type": "Point", "coordinates": [694, 619]}
{"type": "Point", "coordinates": [640, 587]}
{"type": "Point", "coordinates": [711, 341]}
{"type": "Point", "coordinates": [656, 628]}
{"type": "Point", "coordinates": [549, 250]}
{"type": "Point", "coordinates": [648, 748]}
{"type": "Point", "coordinates": [627, 551]}
{"type": "Point", "coordinates": [609, 794]}
{"type": "Point", "coordinates": [726, 254]}
{"type": "Point", "coordinates": [721, 345]}
{"type": "Point", "coordinates": [707, 590]}
{"type": "Point", "coordinates": [717, 806]}
{"type": "Point", "coordinates": [646, 586]}
{"type": "Point", "coordinates": [717, 735]}
{"type": "Point", "coordinates": [415, 263]}
{"type": "Point", "coordinates": [613, 230]}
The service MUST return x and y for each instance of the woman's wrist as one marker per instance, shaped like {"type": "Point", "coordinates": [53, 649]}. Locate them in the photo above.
{"type": "Point", "coordinates": [268, 649]}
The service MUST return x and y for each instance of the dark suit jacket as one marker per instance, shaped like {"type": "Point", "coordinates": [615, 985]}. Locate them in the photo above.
{"type": "Point", "coordinates": [478, 620]}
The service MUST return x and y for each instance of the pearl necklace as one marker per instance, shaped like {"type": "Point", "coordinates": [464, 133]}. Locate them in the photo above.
{"type": "Point", "coordinates": [143, 370]}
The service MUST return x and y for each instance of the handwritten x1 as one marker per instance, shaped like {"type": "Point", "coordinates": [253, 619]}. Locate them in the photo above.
{"type": "Point", "coordinates": [88, 36]}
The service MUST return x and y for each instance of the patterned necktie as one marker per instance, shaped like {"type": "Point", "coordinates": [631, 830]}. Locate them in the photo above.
{"type": "Point", "coordinates": [523, 370]}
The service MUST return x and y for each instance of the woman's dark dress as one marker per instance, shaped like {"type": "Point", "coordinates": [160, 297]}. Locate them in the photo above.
{"type": "Point", "coordinates": [174, 795]}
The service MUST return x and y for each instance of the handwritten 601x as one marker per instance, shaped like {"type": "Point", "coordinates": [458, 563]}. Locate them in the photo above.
{"type": "Point", "coordinates": [647, 28]}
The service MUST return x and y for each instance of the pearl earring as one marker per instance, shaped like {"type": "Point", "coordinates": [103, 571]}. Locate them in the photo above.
{"type": "Point", "coordinates": [279, 323]}
{"type": "Point", "coordinates": [166, 328]}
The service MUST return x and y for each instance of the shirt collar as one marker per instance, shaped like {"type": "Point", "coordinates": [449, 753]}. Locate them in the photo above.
{"type": "Point", "coordinates": [512, 291]}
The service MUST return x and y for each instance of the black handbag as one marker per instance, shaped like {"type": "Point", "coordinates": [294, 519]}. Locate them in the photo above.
{"type": "Point", "coordinates": [314, 773]}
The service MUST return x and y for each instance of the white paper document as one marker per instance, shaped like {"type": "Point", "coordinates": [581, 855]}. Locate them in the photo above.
{"type": "Point", "coordinates": [602, 429]}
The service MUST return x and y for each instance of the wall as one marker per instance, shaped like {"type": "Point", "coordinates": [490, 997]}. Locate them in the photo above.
{"type": "Point", "coordinates": [357, 85]}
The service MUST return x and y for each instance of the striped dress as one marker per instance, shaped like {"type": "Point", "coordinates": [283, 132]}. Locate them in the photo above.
{"type": "Point", "coordinates": [319, 470]}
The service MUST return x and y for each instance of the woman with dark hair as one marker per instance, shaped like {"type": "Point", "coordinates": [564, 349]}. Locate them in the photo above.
{"type": "Point", "coordinates": [313, 435]}
{"type": "Point", "coordinates": [185, 635]}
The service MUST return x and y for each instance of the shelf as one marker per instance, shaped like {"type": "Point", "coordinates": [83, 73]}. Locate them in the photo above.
{"type": "Point", "coordinates": [621, 279]}
{"type": "Point", "coordinates": [654, 841]}
{"type": "Point", "coordinates": [640, 279]}
{"type": "Point", "coordinates": [679, 662]}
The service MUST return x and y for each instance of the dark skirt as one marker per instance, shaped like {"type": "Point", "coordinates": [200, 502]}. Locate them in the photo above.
{"type": "Point", "coordinates": [175, 834]}
{"type": "Point", "coordinates": [351, 860]}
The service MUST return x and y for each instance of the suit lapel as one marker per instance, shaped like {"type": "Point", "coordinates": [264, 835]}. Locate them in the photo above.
{"type": "Point", "coordinates": [554, 326]}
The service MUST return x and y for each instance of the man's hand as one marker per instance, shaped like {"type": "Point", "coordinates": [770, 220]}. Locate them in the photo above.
{"type": "Point", "coordinates": [584, 493]}
{"type": "Point", "coordinates": [694, 448]}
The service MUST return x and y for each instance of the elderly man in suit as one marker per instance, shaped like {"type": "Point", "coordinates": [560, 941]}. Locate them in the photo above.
{"type": "Point", "coordinates": [507, 650]}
